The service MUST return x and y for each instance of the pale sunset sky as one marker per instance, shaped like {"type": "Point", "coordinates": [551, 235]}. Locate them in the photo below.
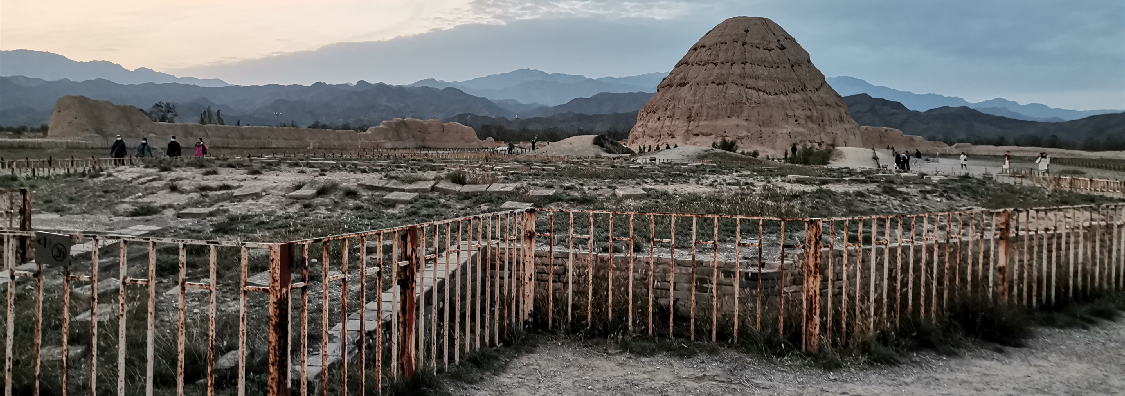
{"type": "Point", "coordinates": [1064, 54]}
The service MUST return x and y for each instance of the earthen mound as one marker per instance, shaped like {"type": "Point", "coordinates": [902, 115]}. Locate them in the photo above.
{"type": "Point", "coordinates": [749, 81]}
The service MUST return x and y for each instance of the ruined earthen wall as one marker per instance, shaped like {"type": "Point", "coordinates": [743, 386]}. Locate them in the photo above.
{"type": "Point", "coordinates": [98, 122]}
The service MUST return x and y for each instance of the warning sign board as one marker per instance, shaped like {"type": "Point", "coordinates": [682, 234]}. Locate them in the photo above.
{"type": "Point", "coordinates": [52, 249]}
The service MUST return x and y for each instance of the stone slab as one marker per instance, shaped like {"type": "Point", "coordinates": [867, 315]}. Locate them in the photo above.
{"type": "Point", "coordinates": [799, 177]}
{"type": "Point", "coordinates": [503, 188]}
{"type": "Point", "coordinates": [247, 192]}
{"type": "Point", "coordinates": [473, 189]}
{"type": "Point", "coordinates": [630, 193]}
{"type": "Point", "coordinates": [105, 312]}
{"type": "Point", "coordinates": [542, 192]}
{"type": "Point", "coordinates": [513, 205]}
{"type": "Point", "coordinates": [372, 184]}
{"type": "Point", "coordinates": [445, 187]}
{"type": "Point", "coordinates": [302, 194]}
{"type": "Point", "coordinates": [198, 213]}
{"type": "Point", "coordinates": [424, 186]}
{"type": "Point", "coordinates": [394, 185]}
{"type": "Point", "coordinates": [399, 197]}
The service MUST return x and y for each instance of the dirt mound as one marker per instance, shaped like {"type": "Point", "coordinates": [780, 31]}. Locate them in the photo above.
{"type": "Point", "coordinates": [747, 80]}
{"type": "Point", "coordinates": [78, 117]}
{"type": "Point", "coordinates": [881, 138]}
{"type": "Point", "coordinates": [584, 146]}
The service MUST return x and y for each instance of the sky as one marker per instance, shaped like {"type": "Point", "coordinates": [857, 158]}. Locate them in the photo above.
{"type": "Point", "coordinates": [1063, 54]}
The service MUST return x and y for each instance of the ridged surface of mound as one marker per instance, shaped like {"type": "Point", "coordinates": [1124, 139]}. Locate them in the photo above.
{"type": "Point", "coordinates": [746, 80]}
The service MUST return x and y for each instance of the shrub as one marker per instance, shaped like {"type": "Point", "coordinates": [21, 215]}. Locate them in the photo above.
{"type": "Point", "coordinates": [725, 145]}
{"type": "Point", "coordinates": [143, 210]}
{"type": "Point", "coordinates": [811, 156]}
{"type": "Point", "coordinates": [211, 172]}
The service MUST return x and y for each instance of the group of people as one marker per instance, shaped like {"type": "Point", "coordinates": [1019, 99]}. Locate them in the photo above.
{"type": "Point", "coordinates": [118, 150]}
{"type": "Point", "coordinates": [902, 159]}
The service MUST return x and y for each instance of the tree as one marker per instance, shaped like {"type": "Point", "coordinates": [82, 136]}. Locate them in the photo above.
{"type": "Point", "coordinates": [219, 116]}
{"type": "Point", "coordinates": [162, 112]}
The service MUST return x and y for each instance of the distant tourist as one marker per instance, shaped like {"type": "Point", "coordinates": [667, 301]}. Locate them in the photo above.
{"type": "Point", "coordinates": [511, 147]}
{"type": "Point", "coordinates": [1044, 163]}
{"type": "Point", "coordinates": [918, 154]}
{"type": "Point", "coordinates": [144, 150]}
{"type": "Point", "coordinates": [200, 148]}
{"type": "Point", "coordinates": [964, 161]}
{"type": "Point", "coordinates": [1007, 167]}
{"type": "Point", "coordinates": [905, 161]}
{"type": "Point", "coordinates": [117, 151]}
{"type": "Point", "coordinates": [173, 148]}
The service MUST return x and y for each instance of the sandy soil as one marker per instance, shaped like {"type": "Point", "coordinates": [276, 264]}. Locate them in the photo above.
{"type": "Point", "coordinates": [576, 146]}
{"type": "Point", "coordinates": [1057, 362]}
{"type": "Point", "coordinates": [856, 157]}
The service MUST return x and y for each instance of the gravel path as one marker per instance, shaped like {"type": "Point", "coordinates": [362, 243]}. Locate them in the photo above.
{"type": "Point", "coordinates": [1057, 362]}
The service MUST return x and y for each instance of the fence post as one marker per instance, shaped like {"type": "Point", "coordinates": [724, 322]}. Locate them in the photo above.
{"type": "Point", "coordinates": [407, 281]}
{"type": "Point", "coordinates": [529, 264]}
{"type": "Point", "coordinates": [1002, 262]}
{"type": "Point", "coordinates": [812, 285]}
{"type": "Point", "coordinates": [25, 225]}
{"type": "Point", "coordinates": [281, 260]}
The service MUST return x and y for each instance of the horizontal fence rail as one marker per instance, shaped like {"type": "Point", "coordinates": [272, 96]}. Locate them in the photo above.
{"type": "Point", "coordinates": [351, 314]}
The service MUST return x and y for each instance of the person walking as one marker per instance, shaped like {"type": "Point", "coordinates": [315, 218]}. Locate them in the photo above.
{"type": "Point", "coordinates": [173, 148]}
{"type": "Point", "coordinates": [1044, 163]}
{"type": "Point", "coordinates": [117, 151]}
{"type": "Point", "coordinates": [1007, 166]}
{"type": "Point", "coordinates": [144, 150]}
{"type": "Point", "coordinates": [964, 161]}
{"type": "Point", "coordinates": [200, 148]}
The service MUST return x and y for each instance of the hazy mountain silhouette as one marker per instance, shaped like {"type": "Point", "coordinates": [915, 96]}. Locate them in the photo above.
{"type": "Point", "coordinates": [847, 86]}
{"type": "Point", "coordinates": [29, 101]}
{"type": "Point", "coordinates": [534, 86]}
{"type": "Point", "coordinates": [50, 66]}
{"type": "Point", "coordinates": [963, 124]}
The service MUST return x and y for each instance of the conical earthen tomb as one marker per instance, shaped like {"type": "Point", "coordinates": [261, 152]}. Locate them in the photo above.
{"type": "Point", "coordinates": [749, 81]}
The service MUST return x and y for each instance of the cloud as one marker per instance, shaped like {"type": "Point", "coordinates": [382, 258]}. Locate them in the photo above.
{"type": "Point", "coordinates": [506, 10]}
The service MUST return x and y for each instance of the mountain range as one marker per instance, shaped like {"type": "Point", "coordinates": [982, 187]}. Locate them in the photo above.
{"type": "Point", "coordinates": [964, 124]}
{"type": "Point", "coordinates": [357, 104]}
{"type": "Point", "coordinates": [848, 86]}
{"type": "Point", "coordinates": [536, 87]}
{"type": "Point", "coordinates": [50, 66]}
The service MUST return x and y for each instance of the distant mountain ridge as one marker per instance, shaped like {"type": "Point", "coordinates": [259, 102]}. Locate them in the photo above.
{"type": "Point", "coordinates": [963, 124]}
{"type": "Point", "coordinates": [533, 86]}
{"type": "Point", "coordinates": [50, 66]}
{"type": "Point", "coordinates": [29, 101]}
{"type": "Point", "coordinates": [848, 86]}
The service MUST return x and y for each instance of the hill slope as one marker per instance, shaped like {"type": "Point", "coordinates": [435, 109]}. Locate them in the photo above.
{"type": "Point", "coordinates": [552, 89]}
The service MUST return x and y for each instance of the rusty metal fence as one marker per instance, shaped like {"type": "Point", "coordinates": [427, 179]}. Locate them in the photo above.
{"type": "Point", "coordinates": [1112, 188]}
{"type": "Point", "coordinates": [816, 282]}
{"type": "Point", "coordinates": [350, 314]}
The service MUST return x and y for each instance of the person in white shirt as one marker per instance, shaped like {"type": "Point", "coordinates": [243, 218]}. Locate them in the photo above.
{"type": "Point", "coordinates": [1044, 163]}
{"type": "Point", "coordinates": [1007, 163]}
{"type": "Point", "coordinates": [964, 161]}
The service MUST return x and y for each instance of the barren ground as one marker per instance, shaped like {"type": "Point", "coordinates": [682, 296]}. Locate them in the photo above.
{"type": "Point", "coordinates": [1056, 362]}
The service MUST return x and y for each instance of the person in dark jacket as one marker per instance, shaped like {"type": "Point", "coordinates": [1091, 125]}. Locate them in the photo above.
{"type": "Point", "coordinates": [173, 148]}
{"type": "Point", "coordinates": [117, 151]}
{"type": "Point", "coordinates": [144, 150]}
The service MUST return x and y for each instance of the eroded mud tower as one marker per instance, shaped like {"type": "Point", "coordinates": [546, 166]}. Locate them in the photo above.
{"type": "Point", "coordinates": [749, 81]}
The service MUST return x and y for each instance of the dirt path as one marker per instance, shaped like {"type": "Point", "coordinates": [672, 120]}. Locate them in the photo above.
{"type": "Point", "coordinates": [1057, 362]}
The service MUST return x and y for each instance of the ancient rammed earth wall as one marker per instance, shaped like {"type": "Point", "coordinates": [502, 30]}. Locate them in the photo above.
{"type": "Point", "coordinates": [97, 122]}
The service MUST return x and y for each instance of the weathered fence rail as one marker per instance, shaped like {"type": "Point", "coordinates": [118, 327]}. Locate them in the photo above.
{"type": "Point", "coordinates": [348, 314]}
